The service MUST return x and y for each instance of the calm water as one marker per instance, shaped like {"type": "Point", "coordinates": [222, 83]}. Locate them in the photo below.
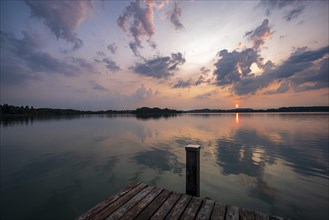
{"type": "Point", "coordinates": [59, 168]}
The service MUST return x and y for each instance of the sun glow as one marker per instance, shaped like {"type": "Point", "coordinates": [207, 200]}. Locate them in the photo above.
{"type": "Point", "coordinates": [236, 105]}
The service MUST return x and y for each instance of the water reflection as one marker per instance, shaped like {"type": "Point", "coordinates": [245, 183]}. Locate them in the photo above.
{"type": "Point", "coordinates": [160, 160]}
{"type": "Point", "coordinates": [273, 163]}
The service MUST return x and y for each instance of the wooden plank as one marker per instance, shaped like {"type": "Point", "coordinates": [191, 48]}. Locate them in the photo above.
{"type": "Point", "coordinates": [153, 207]}
{"type": "Point", "coordinates": [218, 213]}
{"type": "Point", "coordinates": [93, 211]}
{"type": "Point", "coordinates": [192, 208]}
{"type": "Point", "coordinates": [276, 218]}
{"type": "Point", "coordinates": [247, 214]}
{"type": "Point", "coordinates": [179, 208]}
{"type": "Point", "coordinates": [141, 205]}
{"type": "Point", "coordinates": [166, 206]}
{"type": "Point", "coordinates": [261, 216]}
{"type": "Point", "coordinates": [232, 213]}
{"type": "Point", "coordinates": [131, 203]}
{"type": "Point", "coordinates": [205, 210]}
{"type": "Point", "coordinates": [118, 203]}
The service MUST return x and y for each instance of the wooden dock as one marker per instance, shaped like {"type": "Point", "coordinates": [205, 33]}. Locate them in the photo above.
{"type": "Point", "coordinates": [140, 201]}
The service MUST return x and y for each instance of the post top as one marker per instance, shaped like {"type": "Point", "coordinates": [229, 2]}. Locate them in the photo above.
{"type": "Point", "coordinates": [192, 147]}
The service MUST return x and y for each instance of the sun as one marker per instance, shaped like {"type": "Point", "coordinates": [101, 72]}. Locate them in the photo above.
{"type": "Point", "coordinates": [236, 105]}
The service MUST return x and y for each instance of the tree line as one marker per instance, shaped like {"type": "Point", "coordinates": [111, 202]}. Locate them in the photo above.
{"type": "Point", "coordinates": [7, 110]}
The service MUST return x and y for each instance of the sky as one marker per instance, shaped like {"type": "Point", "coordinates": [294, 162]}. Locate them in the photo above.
{"type": "Point", "coordinates": [99, 55]}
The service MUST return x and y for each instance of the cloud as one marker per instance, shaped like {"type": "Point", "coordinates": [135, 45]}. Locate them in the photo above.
{"type": "Point", "coordinates": [174, 17]}
{"type": "Point", "coordinates": [315, 78]}
{"type": "Point", "coordinates": [231, 67]}
{"type": "Point", "coordinates": [110, 64]}
{"type": "Point", "coordinates": [113, 48]}
{"type": "Point", "coordinates": [143, 93]}
{"type": "Point", "coordinates": [160, 67]}
{"type": "Point", "coordinates": [14, 71]}
{"type": "Point", "coordinates": [46, 63]}
{"type": "Point", "coordinates": [303, 70]}
{"type": "Point", "coordinates": [23, 59]}
{"type": "Point", "coordinates": [183, 83]}
{"type": "Point", "coordinates": [191, 82]}
{"type": "Point", "coordinates": [62, 17]}
{"type": "Point", "coordinates": [205, 95]}
{"type": "Point", "coordinates": [296, 7]}
{"type": "Point", "coordinates": [141, 25]}
{"type": "Point", "coordinates": [97, 86]}
{"type": "Point", "coordinates": [83, 64]}
{"type": "Point", "coordinates": [30, 43]}
{"type": "Point", "coordinates": [294, 13]}
{"type": "Point", "coordinates": [284, 87]}
{"type": "Point", "coordinates": [137, 22]}
{"type": "Point", "coordinates": [260, 34]}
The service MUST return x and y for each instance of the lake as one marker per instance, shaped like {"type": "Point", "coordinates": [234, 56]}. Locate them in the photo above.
{"type": "Point", "coordinates": [57, 168]}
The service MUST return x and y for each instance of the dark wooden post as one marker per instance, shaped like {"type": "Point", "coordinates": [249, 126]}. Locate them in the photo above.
{"type": "Point", "coordinates": [193, 169]}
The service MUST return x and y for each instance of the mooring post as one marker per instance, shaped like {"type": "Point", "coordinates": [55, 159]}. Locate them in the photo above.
{"type": "Point", "coordinates": [193, 169]}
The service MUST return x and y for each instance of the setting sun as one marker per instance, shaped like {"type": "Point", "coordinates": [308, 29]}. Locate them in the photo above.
{"type": "Point", "coordinates": [236, 105]}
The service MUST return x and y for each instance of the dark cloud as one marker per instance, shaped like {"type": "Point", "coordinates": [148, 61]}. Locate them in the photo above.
{"type": "Point", "coordinates": [137, 22]}
{"type": "Point", "coordinates": [174, 17]}
{"type": "Point", "coordinates": [315, 78]}
{"type": "Point", "coordinates": [303, 70]}
{"type": "Point", "coordinates": [23, 59]}
{"type": "Point", "coordinates": [113, 48]}
{"type": "Point", "coordinates": [231, 67]}
{"type": "Point", "coordinates": [97, 86]}
{"type": "Point", "coordinates": [284, 87]}
{"type": "Point", "coordinates": [203, 77]}
{"type": "Point", "coordinates": [134, 48]}
{"type": "Point", "coordinates": [62, 17]}
{"type": "Point", "coordinates": [260, 34]}
{"type": "Point", "coordinates": [142, 93]}
{"type": "Point", "coordinates": [141, 23]}
{"type": "Point", "coordinates": [46, 63]}
{"type": "Point", "coordinates": [101, 54]}
{"type": "Point", "coordinates": [192, 82]}
{"type": "Point", "coordinates": [14, 71]}
{"type": "Point", "coordinates": [296, 7]}
{"type": "Point", "coordinates": [160, 67]}
{"type": "Point", "coordinates": [83, 64]}
{"type": "Point", "coordinates": [294, 13]}
{"type": "Point", "coordinates": [204, 70]}
{"type": "Point", "coordinates": [110, 64]}
{"type": "Point", "coordinates": [183, 83]}
{"type": "Point", "coordinates": [205, 95]}
{"type": "Point", "coordinates": [30, 43]}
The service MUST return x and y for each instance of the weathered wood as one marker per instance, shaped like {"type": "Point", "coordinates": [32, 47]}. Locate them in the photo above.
{"type": "Point", "coordinates": [179, 208]}
{"type": "Point", "coordinates": [261, 216]}
{"type": "Point", "coordinates": [232, 213]}
{"type": "Point", "coordinates": [276, 218]}
{"type": "Point", "coordinates": [153, 207]}
{"type": "Point", "coordinates": [108, 201]}
{"type": "Point", "coordinates": [205, 210]}
{"type": "Point", "coordinates": [118, 203]}
{"type": "Point", "coordinates": [166, 206]}
{"type": "Point", "coordinates": [247, 214]}
{"type": "Point", "coordinates": [140, 201]}
{"type": "Point", "coordinates": [192, 209]}
{"type": "Point", "coordinates": [131, 214]}
{"type": "Point", "coordinates": [219, 211]}
{"type": "Point", "coordinates": [193, 170]}
{"type": "Point", "coordinates": [128, 205]}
